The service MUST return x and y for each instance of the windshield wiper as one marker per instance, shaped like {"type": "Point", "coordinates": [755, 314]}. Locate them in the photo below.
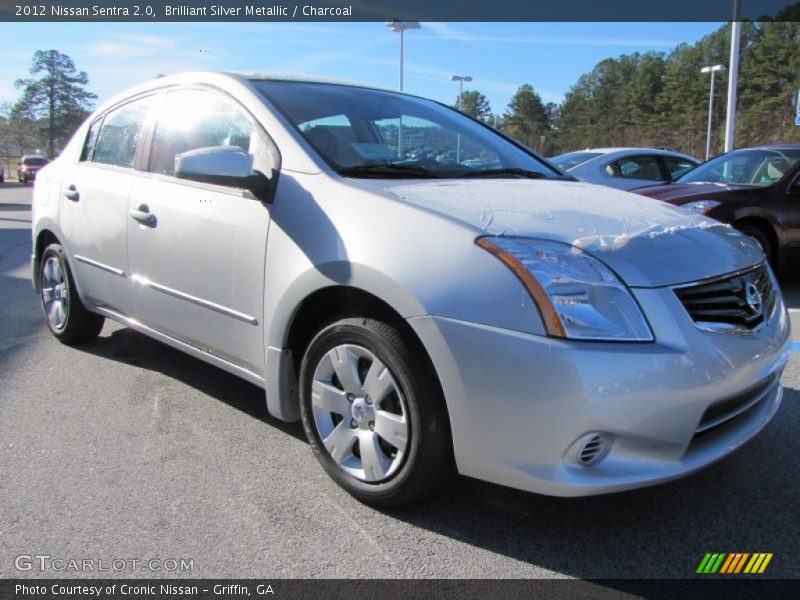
{"type": "Point", "coordinates": [512, 171]}
{"type": "Point", "coordinates": [388, 172]}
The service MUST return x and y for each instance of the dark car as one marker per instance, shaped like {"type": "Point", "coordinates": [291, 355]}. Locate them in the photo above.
{"type": "Point", "coordinates": [28, 167]}
{"type": "Point", "coordinates": [757, 190]}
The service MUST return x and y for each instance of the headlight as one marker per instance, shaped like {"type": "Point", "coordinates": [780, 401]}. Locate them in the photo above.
{"type": "Point", "coordinates": [577, 295]}
{"type": "Point", "coordinates": [701, 206]}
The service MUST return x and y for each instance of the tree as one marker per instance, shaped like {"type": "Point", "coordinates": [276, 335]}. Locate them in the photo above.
{"type": "Point", "coordinates": [474, 104]}
{"type": "Point", "coordinates": [17, 132]}
{"type": "Point", "coordinates": [55, 93]}
{"type": "Point", "coordinates": [527, 117]}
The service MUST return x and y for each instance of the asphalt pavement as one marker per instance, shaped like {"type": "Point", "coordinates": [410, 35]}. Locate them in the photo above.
{"type": "Point", "coordinates": [125, 449]}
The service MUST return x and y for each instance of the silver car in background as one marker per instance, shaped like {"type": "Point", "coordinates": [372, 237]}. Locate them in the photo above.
{"type": "Point", "coordinates": [420, 317]}
{"type": "Point", "coordinates": [625, 168]}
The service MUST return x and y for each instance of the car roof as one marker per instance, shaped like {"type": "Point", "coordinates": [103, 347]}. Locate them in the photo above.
{"type": "Point", "coordinates": [786, 146]}
{"type": "Point", "coordinates": [300, 78]}
{"type": "Point", "coordinates": [633, 149]}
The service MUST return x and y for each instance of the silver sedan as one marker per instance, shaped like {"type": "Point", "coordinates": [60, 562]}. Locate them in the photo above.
{"type": "Point", "coordinates": [488, 316]}
{"type": "Point", "coordinates": [625, 168]}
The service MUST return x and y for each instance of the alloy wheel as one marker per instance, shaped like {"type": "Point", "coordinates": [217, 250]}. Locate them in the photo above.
{"type": "Point", "coordinates": [360, 413]}
{"type": "Point", "coordinates": [55, 293]}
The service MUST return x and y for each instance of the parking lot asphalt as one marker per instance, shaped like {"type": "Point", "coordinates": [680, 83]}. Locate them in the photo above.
{"type": "Point", "coordinates": [124, 448]}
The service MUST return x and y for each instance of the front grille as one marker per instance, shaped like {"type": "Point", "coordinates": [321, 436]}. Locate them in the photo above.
{"type": "Point", "coordinates": [720, 414]}
{"type": "Point", "coordinates": [729, 302]}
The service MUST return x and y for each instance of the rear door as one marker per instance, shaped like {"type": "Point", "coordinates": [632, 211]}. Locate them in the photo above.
{"type": "Point", "coordinates": [94, 205]}
{"type": "Point", "coordinates": [634, 171]}
{"type": "Point", "coordinates": [198, 260]}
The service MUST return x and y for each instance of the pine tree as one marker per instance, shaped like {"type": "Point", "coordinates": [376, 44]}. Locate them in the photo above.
{"type": "Point", "coordinates": [56, 94]}
{"type": "Point", "coordinates": [474, 104]}
{"type": "Point", "coordinates": [527, 117]}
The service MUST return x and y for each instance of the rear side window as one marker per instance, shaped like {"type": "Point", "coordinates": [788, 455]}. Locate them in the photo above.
{"type": "Point", "coordinates": [121, 134]}
{"type": "Point", "coordinates": [677, 167]}
{"type": "Point", "coordinates": [193, 119]}
{"type": "Point", "coordinates": [635, 167]}
{"type": "Point", "coordinates": [91, 139]}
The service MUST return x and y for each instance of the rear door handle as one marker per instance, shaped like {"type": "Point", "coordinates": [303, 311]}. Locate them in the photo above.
{"type": "Point", "coordinates": [143, 215]}
{"type": "Point", "coordinates": [72, 194]}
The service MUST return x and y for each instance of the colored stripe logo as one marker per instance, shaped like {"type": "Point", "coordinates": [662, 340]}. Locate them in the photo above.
{"type": "Point", "coordinates": [734, 563]}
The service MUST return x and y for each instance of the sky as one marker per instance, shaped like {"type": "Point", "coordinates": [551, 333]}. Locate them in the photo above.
{"type": "Point", "coordinates": [498, 56]}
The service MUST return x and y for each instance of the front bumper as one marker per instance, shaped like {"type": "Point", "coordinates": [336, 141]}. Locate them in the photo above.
{"type": "Point", "coordinates": [518, 403]}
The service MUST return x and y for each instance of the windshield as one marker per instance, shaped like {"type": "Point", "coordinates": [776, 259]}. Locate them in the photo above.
{"type": "Point", "coordinates": [572, 159]}
{"type": "Point", "coordinates": [372, 133]}
{"type": "Point", "coordinates": [758, 167]}
{"type": "Point", "coordinates": [36, 161]}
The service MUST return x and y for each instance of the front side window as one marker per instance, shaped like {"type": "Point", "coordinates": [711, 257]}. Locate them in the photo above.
{"type": "Point", "coordinates": [635, 167]}
{"type": "Point", "coordinates": [191, 119]}
{"type": "Point", "coordinates": [746, 167]}
{"type": "Point", "coordinates": [678, 167]}
{"type": "Point", "coordinates": [121, 133]}
{"type": "Point", "coordinates": [364, 132]}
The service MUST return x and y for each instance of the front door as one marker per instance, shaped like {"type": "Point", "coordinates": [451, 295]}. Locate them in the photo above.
{"type": "Point", "coordinates": [197, 251]}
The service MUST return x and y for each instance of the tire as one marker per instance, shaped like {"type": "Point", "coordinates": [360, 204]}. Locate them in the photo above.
{"type": "Point", "coordinates": [63, 310]}
{"type": "Point", "coordinates": [390, 450]}
{"type": "Point", "coordinates": [762, 238]}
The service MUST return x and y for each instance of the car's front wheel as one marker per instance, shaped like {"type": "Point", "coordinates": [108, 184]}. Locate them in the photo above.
{"type": "Point", "coordinates": [373, 412]}
{"type": "Point", "coordinates": [66, 315]}
{"type": "Point", "coordinates": [760, 236]}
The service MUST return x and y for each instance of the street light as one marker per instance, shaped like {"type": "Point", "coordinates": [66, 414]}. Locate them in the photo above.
{"type": "Point", "coordinates": [713, 70]}
{"type": "Point", "coordinates": [401, 27]}
{"type": "Point", "coordinates": [460, 79]}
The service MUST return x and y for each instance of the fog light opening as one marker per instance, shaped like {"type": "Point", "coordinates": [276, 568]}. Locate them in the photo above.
{"type": "Point", "coordinates": [591, 449]}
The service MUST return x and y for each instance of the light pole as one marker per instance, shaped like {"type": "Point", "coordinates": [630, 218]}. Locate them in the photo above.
{"type": "Point", "coordinates": [733, 77]}
{"type": "Point", "coordinates": [460, 79]}
{"type": "Point", "coordinates": [401, 27]}
{"type": "Point", "coordinates": [713, 70]}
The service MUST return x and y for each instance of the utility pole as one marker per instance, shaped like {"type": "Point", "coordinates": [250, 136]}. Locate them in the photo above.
{"type": "Point", "coordinates": [733, 77]}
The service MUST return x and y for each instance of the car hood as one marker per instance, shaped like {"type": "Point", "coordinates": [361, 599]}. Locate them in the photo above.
{"type": "Point", "coordinates": [678, 193]}
{"type": "Point", "coordinates": [648, 244]}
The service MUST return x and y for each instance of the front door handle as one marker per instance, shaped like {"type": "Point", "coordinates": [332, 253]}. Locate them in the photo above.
{"type": "Point", "coordinates": [72, 193]}
{"type": "Point", "coordinates": [143, 215]}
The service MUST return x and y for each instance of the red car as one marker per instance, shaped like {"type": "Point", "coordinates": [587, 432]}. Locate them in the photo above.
{"type": "Point", "coordinates": [28, 167]}
{"type": "Point", "coordinates": [757, 190]}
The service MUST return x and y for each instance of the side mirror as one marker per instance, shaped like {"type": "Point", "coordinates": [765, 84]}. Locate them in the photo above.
{"type": "Point", "coordinates": [221, 165]}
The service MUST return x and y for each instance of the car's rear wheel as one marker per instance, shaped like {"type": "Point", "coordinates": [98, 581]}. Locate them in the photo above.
{"type": "Point", "coordinates": [67, 317]}
{"type": "Point", "coordinates": [373, 412]}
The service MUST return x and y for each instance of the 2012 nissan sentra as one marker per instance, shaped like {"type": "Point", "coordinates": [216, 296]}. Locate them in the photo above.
{"type": "Point", "coordinates": [427, 295]}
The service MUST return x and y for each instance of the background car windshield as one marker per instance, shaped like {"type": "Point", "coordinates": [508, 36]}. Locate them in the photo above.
{"type": "Point", "coordinates": [35, 161]}
{"type": "Point", "coordinates": [572, 159]}
{"type": "Point", "coordinates": [745, 167]}
{"type": "Point", "coordinates": [380, 133]}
